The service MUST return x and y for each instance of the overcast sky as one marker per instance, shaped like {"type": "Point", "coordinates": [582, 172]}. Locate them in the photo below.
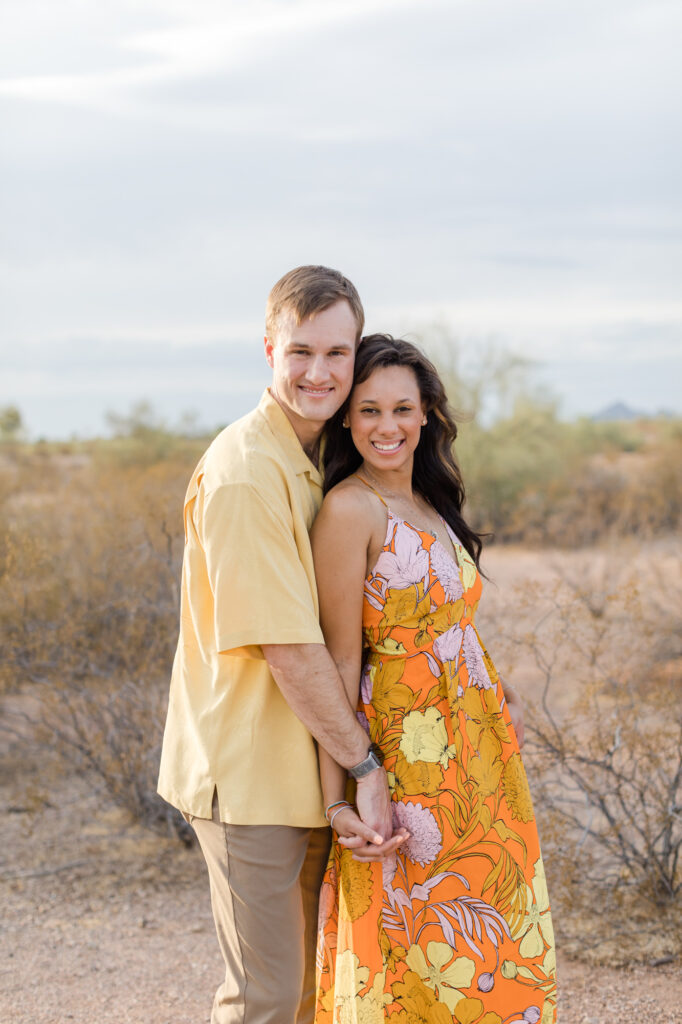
{"type": "Point", "coordinates": [511, 168]}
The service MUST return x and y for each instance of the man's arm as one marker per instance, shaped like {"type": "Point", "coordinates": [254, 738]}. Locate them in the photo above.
{"type": "Point", "coordinates": [312, 687]}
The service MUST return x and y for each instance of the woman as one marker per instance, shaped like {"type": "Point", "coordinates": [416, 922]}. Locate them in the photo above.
{"type": "Point", "coordinates": [456, 925]}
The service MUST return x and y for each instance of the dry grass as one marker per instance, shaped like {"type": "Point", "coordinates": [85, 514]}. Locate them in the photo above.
{"type": "Point", "coordinates": [90, 548]}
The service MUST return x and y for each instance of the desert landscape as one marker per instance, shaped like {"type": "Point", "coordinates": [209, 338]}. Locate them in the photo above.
{"type": "Point", "coordinates": [106, 913]}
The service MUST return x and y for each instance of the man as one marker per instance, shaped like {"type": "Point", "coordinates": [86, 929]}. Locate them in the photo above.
{"type": "Point", "coordinates": [252, 681]}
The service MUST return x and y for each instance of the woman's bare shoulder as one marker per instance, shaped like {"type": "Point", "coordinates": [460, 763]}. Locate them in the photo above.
{"type": "Point", "coordinates": [350, 500]}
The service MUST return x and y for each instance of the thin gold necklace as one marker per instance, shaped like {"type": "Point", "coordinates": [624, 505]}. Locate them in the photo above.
{"type": "Point", "coordinates": [399, 497]}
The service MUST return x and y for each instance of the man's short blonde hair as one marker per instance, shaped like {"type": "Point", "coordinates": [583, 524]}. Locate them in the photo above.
{"type": "Point", "coordinates": [308, 290]}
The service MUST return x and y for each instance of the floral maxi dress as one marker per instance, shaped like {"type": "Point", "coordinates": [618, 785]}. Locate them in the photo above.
{"type": "Point", "coordinates": [458, 929]}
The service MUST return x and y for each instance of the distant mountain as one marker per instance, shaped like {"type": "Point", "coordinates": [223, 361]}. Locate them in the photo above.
{"type": "Point", "coordinates": [617, 411]}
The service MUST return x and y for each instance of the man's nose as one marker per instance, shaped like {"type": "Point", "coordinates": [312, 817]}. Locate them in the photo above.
{"type": "Point", "coordinates": [317, 370]}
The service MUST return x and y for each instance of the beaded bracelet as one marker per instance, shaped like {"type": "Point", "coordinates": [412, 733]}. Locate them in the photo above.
{"type": "Point", "coordinates": [337, 811]}
{"type": "Point", "coordinates": [335, 804]}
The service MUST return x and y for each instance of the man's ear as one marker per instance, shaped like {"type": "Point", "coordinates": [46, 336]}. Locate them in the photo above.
{"type": "Point", "coordinates": [269, 345]}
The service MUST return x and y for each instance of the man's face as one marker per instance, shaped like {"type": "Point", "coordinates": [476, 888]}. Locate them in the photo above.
{"type": "Point", "coordinates": [312, 364]}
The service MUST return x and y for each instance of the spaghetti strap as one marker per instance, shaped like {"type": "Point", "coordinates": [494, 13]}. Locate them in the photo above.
{"type": "Point", "coordinates": [372, 489]}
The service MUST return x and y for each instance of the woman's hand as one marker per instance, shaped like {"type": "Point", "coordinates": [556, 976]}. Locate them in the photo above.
{"type": "Point", "coordinates": [360, 838]}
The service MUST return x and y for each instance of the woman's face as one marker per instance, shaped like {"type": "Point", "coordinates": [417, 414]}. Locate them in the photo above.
{"type": "Point", "coordinates": [385, 416]}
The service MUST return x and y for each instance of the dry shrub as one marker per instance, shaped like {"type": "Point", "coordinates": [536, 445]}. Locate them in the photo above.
{"type": "Point", "coordinates": [90, 564]}
{"type": "Point", "coordinates": [534, 480]}
{"type": "Point", "coordinates": [604, 754]}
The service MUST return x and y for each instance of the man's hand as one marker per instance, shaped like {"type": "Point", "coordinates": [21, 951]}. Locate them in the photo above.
{"type": "Point", "coordinates": [515, 705]}
{"type": "Point", "coordinates": [373, 801]}
{"type": "Point", "coordinates": [362, 840]}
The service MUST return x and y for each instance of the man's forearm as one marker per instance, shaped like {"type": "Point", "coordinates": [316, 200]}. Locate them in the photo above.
{"type": "Point", "coordinates": [312, 687]}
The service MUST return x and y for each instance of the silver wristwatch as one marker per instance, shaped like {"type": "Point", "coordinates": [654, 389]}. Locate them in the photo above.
{"type": "Point", "coordinates": [373, 760]}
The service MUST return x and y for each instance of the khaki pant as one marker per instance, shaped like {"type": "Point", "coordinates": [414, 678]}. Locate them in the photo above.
{"type": "Point", "coordinates": [265, 884]}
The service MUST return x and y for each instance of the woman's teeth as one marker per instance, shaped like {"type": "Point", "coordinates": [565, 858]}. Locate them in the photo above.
{"type": "Point", "coordinates": [387, 447]}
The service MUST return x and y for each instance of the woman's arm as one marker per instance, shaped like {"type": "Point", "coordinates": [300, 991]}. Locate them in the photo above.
{"type": "Point", "coordinates": [341, 537]}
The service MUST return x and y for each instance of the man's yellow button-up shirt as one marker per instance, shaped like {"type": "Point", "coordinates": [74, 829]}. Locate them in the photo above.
{"type": "Point", "coordinates": [247, 580]}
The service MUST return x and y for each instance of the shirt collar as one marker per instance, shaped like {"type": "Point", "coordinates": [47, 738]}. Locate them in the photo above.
{"type": "Point", "coordinates": [277, 420]}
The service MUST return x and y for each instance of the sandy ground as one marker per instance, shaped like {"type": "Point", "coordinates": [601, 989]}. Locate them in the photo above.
{"type": "Point", "coordinates": [105, 923]}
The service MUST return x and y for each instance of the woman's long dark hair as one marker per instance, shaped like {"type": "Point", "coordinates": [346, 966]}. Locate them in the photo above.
{"type": "Point", "coordinates": [435, 475]}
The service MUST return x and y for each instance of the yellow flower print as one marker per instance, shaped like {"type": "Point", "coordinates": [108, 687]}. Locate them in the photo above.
{"type": "Point", "coordinates": [425, 738]}
{"type": "Point", "coordinates": [422, 777]}
{"type": "Point", "coordinates": [417, 1002]}
{"type": "Point", "coordinates": [391, 955]}
{"type": "Point", "coordinates": [468, 566]}
{"type": "Point", "coordinates": [549, 962]}
{"type": "Point", "coordinates": [369, 1009]}
{"type": "Point", "coordinates": [355, 890]}
{"type": "Point", "coordinates": [388, 694]}
{"type": "Point", "coordinates": [485, 772]}
{"type": "Point", "coordinates": [484, 716]}
{"type": "Point", "coordinates": [548, 1013]}
{"type": "Point", "coordinates": [516, 792]}
{"type": "Point", "coordinates": [349, 980]}
{"type": "Point", "coordinates": [468, 1011]}
{"type": "Point", "coordinates": [537, 924]}
{"type": "Point", "coordinates": [445, 980]}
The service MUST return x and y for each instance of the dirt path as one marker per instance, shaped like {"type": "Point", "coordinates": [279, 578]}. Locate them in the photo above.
{"type": "Point", "coordinates": [104, 923]}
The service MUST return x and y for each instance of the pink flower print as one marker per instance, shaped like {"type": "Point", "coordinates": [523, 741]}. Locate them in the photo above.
{"type": "Point", "coordinates": [473, 656]}
{"type": "Point", "coordinates": [448, 645]}
{"type": "Point", "coordinates": [372, 598]}
{"type": "Point", "coordinates": [410, 563]}
{"type": "Point", "coordinates": [426, 841]}
{"type": "Point", "coordinates": [389, 866]}
{"type": "Point", "coordinates": [363, 720]}
{"type": "Point", "coordinates": [447, 572]}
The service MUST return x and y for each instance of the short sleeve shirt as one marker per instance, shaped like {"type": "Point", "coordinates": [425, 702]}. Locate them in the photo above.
{"type": "Point", "coordinates": [247, 580]}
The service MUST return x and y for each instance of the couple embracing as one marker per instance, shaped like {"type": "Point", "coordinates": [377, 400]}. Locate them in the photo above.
{"type": "Point", "coordinates": [329, 672]}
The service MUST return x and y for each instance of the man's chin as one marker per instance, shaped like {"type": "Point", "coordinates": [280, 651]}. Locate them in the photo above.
{"type": "Point", "coordinates": [319, 410]}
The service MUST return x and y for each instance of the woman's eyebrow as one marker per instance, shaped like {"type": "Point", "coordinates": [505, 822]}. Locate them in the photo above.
{"type": "Point", "coordinates": [374, 401]}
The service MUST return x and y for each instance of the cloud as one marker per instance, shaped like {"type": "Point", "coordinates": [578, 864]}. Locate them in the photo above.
{"type": "Point", "coordinates": [514, 167]}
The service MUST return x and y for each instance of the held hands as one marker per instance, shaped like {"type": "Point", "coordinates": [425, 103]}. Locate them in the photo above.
{"type": "Point", "coordinates": [365, 842]}
{"type": "Point", "coordinates": [368, 832]}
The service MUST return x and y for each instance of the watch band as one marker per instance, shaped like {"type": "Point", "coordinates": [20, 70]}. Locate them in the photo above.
{"type": "Point", "coordinates": [373, 761]}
